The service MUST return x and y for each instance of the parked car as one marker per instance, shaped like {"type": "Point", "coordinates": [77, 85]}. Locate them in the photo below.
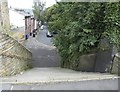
{"type": "Point", "coordinates": [48, 34]}
{"type": "Point", "coordinates": [42, 27]}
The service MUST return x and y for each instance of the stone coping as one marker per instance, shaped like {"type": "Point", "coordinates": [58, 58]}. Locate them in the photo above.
{"type": "Point", "coordinates": [59, 81]}
{"type": "Point", "coordinates": [15, 41]}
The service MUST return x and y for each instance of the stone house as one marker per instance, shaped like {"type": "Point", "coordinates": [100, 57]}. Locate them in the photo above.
{"type": "Point", "coordinates": [4, 17]}
{"type": "Point", "coordinates": [27, 26]}
{"type": "Point", "coordinates": [24, 22]}
{"type": "Point", "coordinates": [31, 24]}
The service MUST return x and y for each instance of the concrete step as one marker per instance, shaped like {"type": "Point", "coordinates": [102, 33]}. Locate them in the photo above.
{"type": "Point", "coordinates": [55, 75]}
{"type": "Point", "coordinates": [106, 85]}
{"type": "Point", "coordinates": [56, 78]}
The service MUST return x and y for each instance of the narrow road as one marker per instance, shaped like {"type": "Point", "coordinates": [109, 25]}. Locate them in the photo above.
{"type": "Point", "coordinates": [43, 39]}
{"type": "Point", "coordinates": [44, 53]}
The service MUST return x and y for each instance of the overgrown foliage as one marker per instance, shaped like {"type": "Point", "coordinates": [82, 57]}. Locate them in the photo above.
{"type": "Point", "coordinates": [80, 27]}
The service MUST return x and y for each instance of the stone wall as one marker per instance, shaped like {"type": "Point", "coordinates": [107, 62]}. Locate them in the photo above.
{"type": "Point", "coordinates": [4, 15]}
{"type": "Point", "coordinates": [116, 65]}
{"type": "Point", "coordinates": [14, 58]}
{"type": "Point", "coordinates": [87, 63]}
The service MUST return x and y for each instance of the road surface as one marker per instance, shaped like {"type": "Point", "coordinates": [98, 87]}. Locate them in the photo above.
{"type": "Point", "coordinates": [108, 84]}
{"type": "Point", "coordinates": [43, 39]}
{"type": "Point", "coordinates": [44, 53]}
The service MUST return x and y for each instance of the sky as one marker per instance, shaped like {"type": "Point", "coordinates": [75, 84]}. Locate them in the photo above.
{"type": "Point", "coordinates": [27, 4]}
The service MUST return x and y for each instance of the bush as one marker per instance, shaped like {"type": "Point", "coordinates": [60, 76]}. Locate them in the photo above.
{"type": "Point", "coordinates": [81, 26]}
{"type": "Point", "coordinates": [74, 41]}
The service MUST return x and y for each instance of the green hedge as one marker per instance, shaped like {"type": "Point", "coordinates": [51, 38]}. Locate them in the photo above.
{"type": "Point", "coordinates": [80, 27]}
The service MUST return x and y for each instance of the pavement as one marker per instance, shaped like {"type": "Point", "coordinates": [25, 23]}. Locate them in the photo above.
{"type": "Point", "coordinates": [44, 53]}
{"type": "Point", "coordinates": [83, 86]}
{"type": "Point", "coordinates": [54, 74]}
{"type": "Point", "coordinates": [60, 78]}
{"type": "Point", "coordinates": [43, 39]}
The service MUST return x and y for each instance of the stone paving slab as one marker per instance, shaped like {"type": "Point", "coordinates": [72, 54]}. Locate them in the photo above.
{"type": "Point", "coordinates": [54, 75]}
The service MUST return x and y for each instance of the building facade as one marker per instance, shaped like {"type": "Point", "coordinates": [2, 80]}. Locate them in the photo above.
{"type": "Point", "coordinates": [16, 19]}
{"type": "Point", "coordinates": [24, 22]}
{"type": "Point", "coordinates": [4, 15]}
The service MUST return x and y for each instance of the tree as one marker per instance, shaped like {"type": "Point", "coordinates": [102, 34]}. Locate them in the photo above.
{"type": "Point", "coordinates": [38, 10]}
{"type": "Point", "coordinates": [81, 25]}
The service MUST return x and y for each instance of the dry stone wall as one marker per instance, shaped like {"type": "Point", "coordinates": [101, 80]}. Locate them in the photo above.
{"type": "Point", "coordinates": [14, 58]}
{"type": "Point", "coordinates": [116, 65]}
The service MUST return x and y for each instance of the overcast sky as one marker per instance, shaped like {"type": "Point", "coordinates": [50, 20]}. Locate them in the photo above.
{"type": "Point", "coordinates": [27, 3]}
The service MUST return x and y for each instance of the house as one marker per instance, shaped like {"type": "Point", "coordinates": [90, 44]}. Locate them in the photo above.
{"type": "Point", "coordinates": [22, 21]}
{"type": "Point", "coordinates": [4, 16]}
{"type": "Point", "coordinates": [32, 25]}
{"type": "Point", "coordinates": [27, 26]}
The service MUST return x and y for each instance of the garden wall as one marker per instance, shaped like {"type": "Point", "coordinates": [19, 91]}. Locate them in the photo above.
{"type": "Point", "coordinates": [14, 58]}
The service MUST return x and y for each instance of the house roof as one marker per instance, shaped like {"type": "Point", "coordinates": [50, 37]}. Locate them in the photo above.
{"type": "Point", "coordinates": [24, 12]}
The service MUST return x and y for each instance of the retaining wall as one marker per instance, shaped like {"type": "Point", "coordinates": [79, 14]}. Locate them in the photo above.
{"type": "Point", "coordinates": [116, 65]}
{"type": "Point", "coordinates": [14, 57]}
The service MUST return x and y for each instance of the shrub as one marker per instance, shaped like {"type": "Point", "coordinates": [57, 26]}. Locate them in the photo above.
{"type": "Point", "coordinates": [74, 41]}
